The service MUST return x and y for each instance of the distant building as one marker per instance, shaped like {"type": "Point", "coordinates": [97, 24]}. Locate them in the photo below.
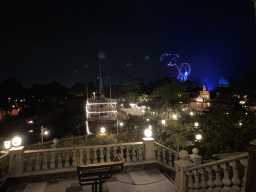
{"type": "Point", "coordinates": [202, 102]}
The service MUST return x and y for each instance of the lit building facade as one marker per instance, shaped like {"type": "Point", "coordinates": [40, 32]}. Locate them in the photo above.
{"type": "Point", "coordinates": [202, 102]}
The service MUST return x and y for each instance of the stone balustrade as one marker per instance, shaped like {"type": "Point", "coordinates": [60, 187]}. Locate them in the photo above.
{"type": "Point", "coordinates": [165, 155]}
{"type": "Point", "coordinates": [228, 174]}
{"type": "Point", "coordinates": [59, 158]}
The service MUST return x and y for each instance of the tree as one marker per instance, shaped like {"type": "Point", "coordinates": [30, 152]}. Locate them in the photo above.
{"type": "Point", "coordinates": [132, 89]}
{"type": "Point", "coordinates": [175, 134]}
{"type": "Point", "coordinates": [166, 97]}
{"type": "Point", "coordinates": [79, 88]}
{"type": "Point", "coordinates": [223, 131]}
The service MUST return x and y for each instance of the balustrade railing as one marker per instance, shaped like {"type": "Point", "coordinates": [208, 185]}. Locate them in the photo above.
{"type": "Point", "coordinates": [228, 174]}
{"type": "Point", "coordinates": [4, 166]}
{"type": "Point", "coordinates": [35, 160]}
{"type": "Point", "coordinates": [165, 154]}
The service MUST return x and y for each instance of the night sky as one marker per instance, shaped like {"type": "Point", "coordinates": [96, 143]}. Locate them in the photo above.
{"type": "Point", "coordinates": [46, 41]}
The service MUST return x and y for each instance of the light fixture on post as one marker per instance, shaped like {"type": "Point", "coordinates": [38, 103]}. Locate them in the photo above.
{"type": "Point", "coordinates": [43, 132]}
{"type": "Point", "coordinates": [102, 131]}
{"type": "Point", "coordinates": [148, 133]}
{"type": "Point", "coordinates": [147, 119]}
{"type": "Point", "coordinates": [198, 137]}
{"type": "Point", "coordinates": [196, 124]}
{"type": "Point", "coordinates": [174, 117]}
{"type": "Point", "coordinates": [191, 113]}
{"type": "Point", "coordinates": [16, 141]}
{"type": "Point", "coordinates": [7, 145]}
{"type": "Point", "coordinates": [163, 122]}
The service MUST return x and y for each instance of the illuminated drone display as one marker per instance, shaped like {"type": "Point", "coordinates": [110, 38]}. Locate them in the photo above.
{"type": "Point", "coordinates": [184, 68]}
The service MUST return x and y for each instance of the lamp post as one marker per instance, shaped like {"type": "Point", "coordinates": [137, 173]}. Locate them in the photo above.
{"type": "Point", "coordinates": [117, 123]}
{"type": "Point", "coordinates": [43, 132]}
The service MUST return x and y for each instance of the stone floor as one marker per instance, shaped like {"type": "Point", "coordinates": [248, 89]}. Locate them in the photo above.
{"type": "Point", "coordinates": [140, 181]}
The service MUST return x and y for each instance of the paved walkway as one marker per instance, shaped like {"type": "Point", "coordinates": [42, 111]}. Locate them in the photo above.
{"type": "Point", "coordinates": [149, 181]}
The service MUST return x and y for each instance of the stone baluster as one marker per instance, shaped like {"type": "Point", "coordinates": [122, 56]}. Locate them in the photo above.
{"type": "Point", "coordinates": [203, 183]}
{"type": "Point", "coordinates": [244, 162]}
{"type": "Point", "coordinates": [74, 161]}
{"type": "Point", "coordinates": [158, 153]}
{"type": "Point", "coordinates": [190, 181]}
{"type": "Point", "coordinates": [45, 161]}
{"type": "Point", "coordinates": [88, 158]}
{"type": "Point", "coordinates": [95, 160]}
{"type": "Point", "coordinates": [67, 160]}
{"type": "Point", "coordinates": [52, 165]}
{"type": "Point", "coordinates": [140, 153]}
{"type": "Point", "coordinates": [210, 181]}
{"type": "Point", "coordinates": [180, 175]}
{"type": "Point", "coordinates": [101, 155]}
{"type": "Point", "coordinates": [128, 154]}
{"type": "Point", "coordinates": [114, 148]}
{"type": "Point", "coordinates": [164, 155]}
{"type": "Point", "coordinates": [122, 151]}
{"type": "Point", "coordinates": [235, 180]}
{"type": "Point", "coordinates": [81, 157]}
{"type": "Point", "coordinates": [134, 157]}
{"type": "Point", "coordinates": [197, 181]}
{"type": "Point", "coordinates": [108, 154]}
{"type": "Point", "coordinates": [226, 180]}
{"type": "Point", "coordinates": [59, 161]}
{"type": "Point", "coordinates": [29, 166]}
{"type": "Point", "coordinates": [169, 158]}
{"type": "Point", "coordinates": [37, 167]}
{"type": "Point", "coordinates": [217, 181]}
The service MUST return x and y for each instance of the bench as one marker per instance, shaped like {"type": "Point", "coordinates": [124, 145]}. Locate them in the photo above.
{"type": "Point", "coordinates": [98, 173]}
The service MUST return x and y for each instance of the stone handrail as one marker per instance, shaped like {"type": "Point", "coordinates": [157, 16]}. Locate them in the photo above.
{"type": "Point", "coordinates": [166, 155]}
{"type": "Point", "coordinates": [45, 159]}
{"type": "Point", "coordinates": [228, 174]}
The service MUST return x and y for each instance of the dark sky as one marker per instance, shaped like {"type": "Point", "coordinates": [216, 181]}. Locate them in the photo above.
{"type": "Point", "coordinates": [43, 41]}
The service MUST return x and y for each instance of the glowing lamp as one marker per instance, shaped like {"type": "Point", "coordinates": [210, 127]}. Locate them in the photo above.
{"type": "Point", "coordinates": [147, 119]}
{"type": "Point", "coordinates": [183, 109]}
{"type": "Point", "coordinates": [132, 104]}
{"type": "Point", "coordinates": [121, 124]}
{"type": "Point", "coordinates": [191, 113]}
{"type": "Point", "coordinates": [16, 141]}
{"type": "Point", "coordinates": [198, 137]}
{"type": "Point", "coordinates": [31, 130]}
{"type": "Point", "coordinates": [102, 130]}
{"type": "Point", "coordinates": [196, 124]}
{"type": "Point", "coordinates": [46, 133]}
{"type": "Point", "coordinates": [148, 132]}
{"type": "Point", "coordinates": [163, 122]}
{"type": "Point", "coordinates": [30, 122]}
{"type": "Point", "coordinates": [143, 111]}
{"type": "Point", "coordinates": [7, 144]}
{"type": "Point", "coordinates": [174, 116]}
{"type": "Point", "coordinates": [150, 127]}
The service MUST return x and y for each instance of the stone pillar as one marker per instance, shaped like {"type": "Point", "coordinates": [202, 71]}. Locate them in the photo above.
{"type": "Point", "coordinates": [195, 157]}
{"type": "Point", "coordinates": [251, 173]}
{"type": "Point", "coordinates": [16, 160]}
{"type": "Point", "coordinates": [149, 148]}
{"type": "Point", "coordinates": [180, 175]}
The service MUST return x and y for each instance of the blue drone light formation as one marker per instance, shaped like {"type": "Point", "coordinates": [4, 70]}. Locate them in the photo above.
{"type": "Point", "coordinates": [183, 75]}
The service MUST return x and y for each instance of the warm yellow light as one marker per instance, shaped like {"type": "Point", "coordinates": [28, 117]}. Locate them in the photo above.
{"type": "Point", "coordinates": [174, 116]}
{"type": "Point", "coordinates": [191, 113]}
{"type": "Point", "coordinates": [147, 119]}
{"type": "Point", "coordinates": [196, 124]}
{"type": "Point", "coordinates": [102, 130]}
{"type": "Point", "coordinates": [121, 124]}
{"type": "Point", "coordinates": [148, 133]}
{"type": "Point", "coordinates": [198, 137]}
{"type": "Point", "coordinates": [16, 141]}
{"type": "Point", "coordinates": [7, 144]}
{"type": "Point", "coordinates": [163, 122]}
{"type": "Point", "coordinates": [46, 133]}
